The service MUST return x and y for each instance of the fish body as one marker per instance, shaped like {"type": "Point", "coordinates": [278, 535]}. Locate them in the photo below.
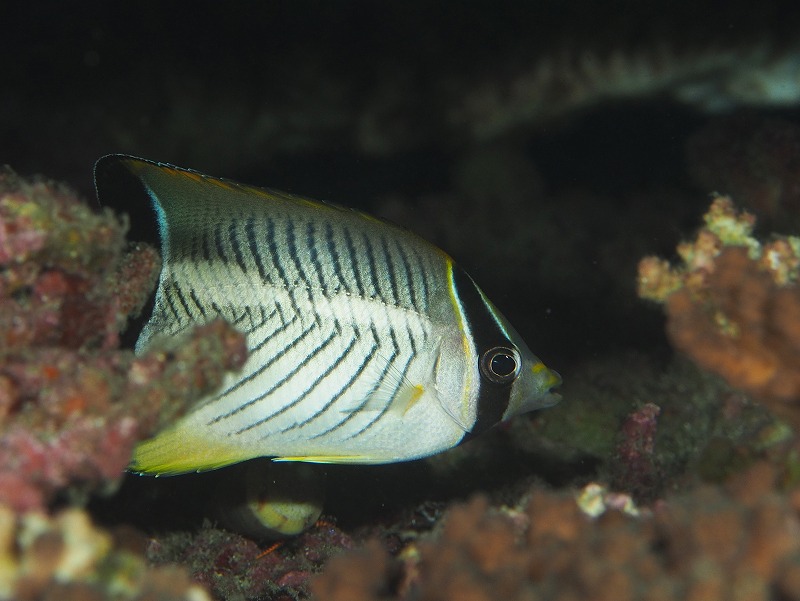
{"type": "Point", "coordinates": [366, 343]}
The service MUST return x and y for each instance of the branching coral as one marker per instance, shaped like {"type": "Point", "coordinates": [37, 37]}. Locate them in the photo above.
{"type": "Point", "coordinates": [714, 543]}
{"type": "Point", "coordinates": [565, 80]}
{"type": "Point", "coordinates": [734, 306]}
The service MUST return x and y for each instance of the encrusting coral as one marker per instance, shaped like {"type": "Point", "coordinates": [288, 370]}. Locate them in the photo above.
{"type": "Point", "coordinates": [72, 405]}
{"type": "Point", "coordinates": [737, 542]}
{"type": "Point", "coordinates": [72, 416]}
{"type": "Point", "coordinates": [733, 306]}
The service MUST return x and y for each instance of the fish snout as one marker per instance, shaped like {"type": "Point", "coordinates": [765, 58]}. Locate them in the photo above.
{"type": "Point", "coordinates": [548, 380]}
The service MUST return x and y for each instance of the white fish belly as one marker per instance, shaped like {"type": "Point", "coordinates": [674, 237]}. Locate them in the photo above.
{"type": "Point", "coordinates": [333, 376]}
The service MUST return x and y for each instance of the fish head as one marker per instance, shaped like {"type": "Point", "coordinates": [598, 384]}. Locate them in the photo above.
{"type": "Point", "coordinates": [510, 379]}
{"type": "Point", "coordinates": [512, 375]}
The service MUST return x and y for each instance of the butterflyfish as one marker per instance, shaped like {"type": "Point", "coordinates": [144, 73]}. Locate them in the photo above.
{"type": "Point", "coordinates": [366, 343]}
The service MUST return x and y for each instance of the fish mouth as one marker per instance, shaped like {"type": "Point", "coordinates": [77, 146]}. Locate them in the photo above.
{"type": "Point", "coordinates": [550, 399]}
{"type": "Point", "coordinates": [553, 381]}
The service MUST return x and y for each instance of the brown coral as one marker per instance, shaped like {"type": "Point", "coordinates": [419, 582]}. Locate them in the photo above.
{"type": "Point", "coordinates": [734, 306]}
{"type": "Point", "coordinates": [745, 328]}
{"type": "Point", "coordinates": [714, 543]}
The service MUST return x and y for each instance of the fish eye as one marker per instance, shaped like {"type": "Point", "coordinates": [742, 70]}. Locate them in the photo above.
{"type": "Point", "coordinates": [501, 364]}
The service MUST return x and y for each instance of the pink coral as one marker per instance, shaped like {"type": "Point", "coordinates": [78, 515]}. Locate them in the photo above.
{"type": "Point", "coordinates": [79, 414]}
{"type": "Point", "coordinates": [636, 469]}
{"type": "Point", "coordinates": [59, 265]}
{"type": "Point", "coordinates": [71, 406]}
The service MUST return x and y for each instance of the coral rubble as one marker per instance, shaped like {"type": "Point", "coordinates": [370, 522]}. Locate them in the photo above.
{"type": "Point", "coordinates": [737, 542]}
{"type": "Point", "coordinates": [66, 557]}
{"type": "Point", "coordinates": [232, 566]}
{"type": "Point", "coordinates": [734, 306]}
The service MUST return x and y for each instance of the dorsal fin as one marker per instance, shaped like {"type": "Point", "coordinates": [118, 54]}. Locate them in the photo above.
{"type": "Point", "coordinates": [194, 215]}
{"type": "Point", "coordinates": [177, 190]}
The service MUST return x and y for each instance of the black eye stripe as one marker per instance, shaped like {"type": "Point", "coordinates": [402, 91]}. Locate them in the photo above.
{"type": "Point", "coordinates": [493, 398]}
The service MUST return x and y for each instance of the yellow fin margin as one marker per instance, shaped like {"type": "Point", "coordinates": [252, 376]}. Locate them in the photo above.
{"type": "Point", "coordinates": [175, 451]}
{"type": "Point", "coordinates": [329, 459]}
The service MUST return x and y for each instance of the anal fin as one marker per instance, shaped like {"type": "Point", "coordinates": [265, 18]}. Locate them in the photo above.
{"type": "Point", "coordinates": [342, 459]}
{"type": "Point", "coordinates": [178, 451]}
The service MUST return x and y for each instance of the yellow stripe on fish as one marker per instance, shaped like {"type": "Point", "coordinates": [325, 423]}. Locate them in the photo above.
{"type": "Point", "coordinates": [366, 343]}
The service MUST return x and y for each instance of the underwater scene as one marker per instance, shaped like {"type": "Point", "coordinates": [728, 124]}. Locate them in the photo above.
{"type": "Point", "coordinates": [400, 301]}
